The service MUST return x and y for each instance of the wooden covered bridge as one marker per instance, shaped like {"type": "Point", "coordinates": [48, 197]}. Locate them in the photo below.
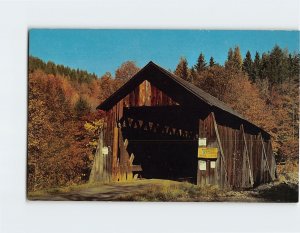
{"type": "Point", "coordinates": [160, 126]}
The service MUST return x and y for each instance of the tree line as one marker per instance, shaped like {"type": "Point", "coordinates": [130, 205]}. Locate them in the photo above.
{"type": "Point", "coordinates": [50, 67]}
{"type": "Point", "coordinates": [276, 67]}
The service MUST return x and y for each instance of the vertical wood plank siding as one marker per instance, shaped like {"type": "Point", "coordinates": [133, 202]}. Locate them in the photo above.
{"type": "Point", "coordinates": [246, 156]}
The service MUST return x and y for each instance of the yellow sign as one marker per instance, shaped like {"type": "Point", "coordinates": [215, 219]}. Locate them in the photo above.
{"type": "Point", "coordinates": [207, 153]}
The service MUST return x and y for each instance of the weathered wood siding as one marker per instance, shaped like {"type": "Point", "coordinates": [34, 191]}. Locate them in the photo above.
{"type": "Point", "coordinates": [147, 94]}
{"type": "Point", "coordinates": [244, 159]}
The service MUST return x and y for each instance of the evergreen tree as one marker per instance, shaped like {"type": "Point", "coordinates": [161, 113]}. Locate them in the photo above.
{"type": "Point", "coordinates": [264, 67]}
{"type": "Point", "coordinates": [108, 86]}
{"type": "Point", "coordinates": [293, 67]}
{"type": "Point", "coordinates": [51, 68]}
{"type": "Point", "coordinates": [278, 65]}
{"type": "Point", "coordinates": [81, 107]}
{"type": "Point", "coordinates": [248, 66]}
{"type": "Point", "coordinates": [35, 63]}
{"type": "Point", "coordinates": [182, 69]}
{"type": "Point", "coordinates": [211, 62]}
{"type": "Point", "coordinates": [201, 64]}
{"type": "Point", "coordinates": [256, 68]}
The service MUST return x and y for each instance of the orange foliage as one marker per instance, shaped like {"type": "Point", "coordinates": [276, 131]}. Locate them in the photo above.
{"type": "Point", "coordinates": [58, 151]}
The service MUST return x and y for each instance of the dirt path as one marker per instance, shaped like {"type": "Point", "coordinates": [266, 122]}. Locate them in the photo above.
{"type": "Point", "coordinates": [105, 192]}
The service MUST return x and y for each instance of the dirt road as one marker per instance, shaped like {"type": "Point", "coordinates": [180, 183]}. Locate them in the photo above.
{"type": "Point", "coordinates": [104, 192]}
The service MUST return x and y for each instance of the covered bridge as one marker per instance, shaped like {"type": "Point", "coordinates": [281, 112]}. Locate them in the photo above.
{"type": "Point", "coordinates": [158, 125]}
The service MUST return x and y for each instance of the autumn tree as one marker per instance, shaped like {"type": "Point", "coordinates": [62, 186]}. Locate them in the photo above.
{"type": "Point", "coordinates": [182, 69]}
{"type": "Point", "coordinates": [193, 75]}
{"type": "Point", "coordinates": [39, 127]}
{"type": "Point", "coordinates": [238, 60]}
{"type": "Point", "coordinates": [125, 72]}
{"type": "Point", "coordinates": [214, 81]}
{"type": "Point", "coordinates": [284, 103]}
{"type": "Point", "coordinates": [107, 86]}
{"type": "Point", "coordinates": [234, 60]}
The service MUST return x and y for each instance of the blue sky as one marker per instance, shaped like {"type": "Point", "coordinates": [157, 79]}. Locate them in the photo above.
{"type": "Point", "coordinates": [100, 51]}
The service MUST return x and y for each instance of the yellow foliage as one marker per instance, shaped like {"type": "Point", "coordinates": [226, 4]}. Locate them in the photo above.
{"type": "Point", "coordinates": [94, 126]}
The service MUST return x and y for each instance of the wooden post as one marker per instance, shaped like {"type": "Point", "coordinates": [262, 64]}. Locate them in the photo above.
{"type": "Point", "coordinates": [262, 168]}
{"type": "Point", "coordinates": [199, 172]}
{"type": "Point", "coordinates": [221, 148]}
{"type": "Point", "coordinates": [115, 154]}
{"type": "Point", "coordinates": [100, 168]}
{"type": "Point", "coordinates": [234, 160]}
{"type": "Point", "coordinates": [97, 168]}
{"type": "Point", "coordinates": [247, 156]}
{"type": "Point", "coordinates": [125, 168]}
{"type": "Point", "coordinates": [265, 155]}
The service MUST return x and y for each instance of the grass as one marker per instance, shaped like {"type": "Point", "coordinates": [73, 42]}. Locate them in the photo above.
{"type": "Point", "coordinates": [61, 190]}
{"type": "Point", "coordinates": [284, 189]}
{"type": "Point", "coordinates": [175, 192]}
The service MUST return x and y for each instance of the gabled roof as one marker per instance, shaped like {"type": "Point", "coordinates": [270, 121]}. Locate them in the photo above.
{"type": "Point", "coordinates": [151, 67]}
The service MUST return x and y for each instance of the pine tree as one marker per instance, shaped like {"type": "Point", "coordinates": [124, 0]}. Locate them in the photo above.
{"type": "Point", "coordinates": [278, 65]}
{"type": "Point", "coordinates": [256, 68]}
{"type": "Point", "coordinates": [81, 107]}
{"type": "Point", "coordinates": [51, 68]}
{"type": "Point", "coordinates": [201, 64]}
{"type": "Point", "coordinates": [293, 67]}
{"type": "Point", "coordinates": [234, 60]}
{"type": "Point", "coordinates": [248, 66]}
{"type": "Point", "coordinates": [264, 67]}
{"type": "Point", "coordinates": [211, 62]}
{"type": "Point", "coordinates": [182, 70]}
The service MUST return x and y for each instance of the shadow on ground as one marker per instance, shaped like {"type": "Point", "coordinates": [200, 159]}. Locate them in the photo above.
{"type": "Point", "coordinates": [282, 192]}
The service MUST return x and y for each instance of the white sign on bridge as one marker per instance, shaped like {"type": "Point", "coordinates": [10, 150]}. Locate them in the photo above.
{"type": "Point", "coordinates": [105, 150]}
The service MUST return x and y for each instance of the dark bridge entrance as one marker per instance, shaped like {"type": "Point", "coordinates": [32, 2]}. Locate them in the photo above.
{"type": "Point", "coordinates": [163, 140]}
